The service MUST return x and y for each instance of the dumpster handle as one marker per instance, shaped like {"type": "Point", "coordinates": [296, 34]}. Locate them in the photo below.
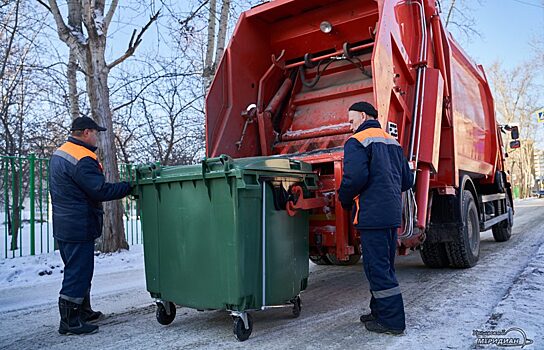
{"type": "Point", "coordinates": [264, 245]}
{"type": "Point", "coordinates": [225, 161]}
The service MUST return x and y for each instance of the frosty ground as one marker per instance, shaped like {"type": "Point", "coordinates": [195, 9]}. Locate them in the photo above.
{"type": "Point", "coordinates": [444, 307]}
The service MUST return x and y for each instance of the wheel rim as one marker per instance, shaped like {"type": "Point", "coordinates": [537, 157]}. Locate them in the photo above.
{"type": "Point", "coordinates": [472, 231]}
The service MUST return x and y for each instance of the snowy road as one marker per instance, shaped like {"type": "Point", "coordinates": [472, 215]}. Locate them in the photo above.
{"type": "Point", "coordinates": [443, 307]}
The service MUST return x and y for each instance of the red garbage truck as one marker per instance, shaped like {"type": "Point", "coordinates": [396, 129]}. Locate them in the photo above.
{"type": "Point", "coordinates": [287, 78]}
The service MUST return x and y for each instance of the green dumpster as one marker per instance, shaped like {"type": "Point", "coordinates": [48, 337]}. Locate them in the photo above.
{"type": "Point", "coordinates": [217, 236]}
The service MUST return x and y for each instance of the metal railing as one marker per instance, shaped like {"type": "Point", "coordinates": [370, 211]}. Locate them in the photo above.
{"type": "Point", "coordinates": [25, 207]}
{"type": "Point", "coordinates": [133, 228]}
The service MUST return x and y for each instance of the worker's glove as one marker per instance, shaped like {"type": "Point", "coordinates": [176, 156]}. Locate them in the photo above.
{"type": "Point", "coordinates": [134, 190]}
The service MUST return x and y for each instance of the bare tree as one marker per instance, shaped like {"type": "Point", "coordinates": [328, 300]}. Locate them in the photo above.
{"type": "Point", "coordinates": [459, 17]}
{"type": "Point", "coordinates": [19, 29]}
{"type": "Point", "coordinates": [215, 45]}
{"type": "Point", "coordinates": [160, 113]}
{"type": "Point", "coordinates": [516, 100]}
{"type": "Point", "coordinates": [161, 119]}
{"type": "Point", "coordinates": [88, 47]}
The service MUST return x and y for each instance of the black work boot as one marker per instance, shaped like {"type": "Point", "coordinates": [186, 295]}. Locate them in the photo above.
{"type": "Point", "coordinates": [374, 326]}
{"type": "Point", "coordinates": [367, 317]}
{"type": "Point", "coordinates": [70, 320]}
{"type": "Point", "coordinates": [87, 313]}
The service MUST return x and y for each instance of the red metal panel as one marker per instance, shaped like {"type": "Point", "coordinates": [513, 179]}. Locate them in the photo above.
{"type": "Point", "coordinates": [432, 117]}
{"type": "Point", "coordinates": [470, 121]}
{"type": "Point", "coordinates": [234, 88]}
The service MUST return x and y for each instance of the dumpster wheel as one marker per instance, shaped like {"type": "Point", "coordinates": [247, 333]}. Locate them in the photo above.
{"type": "Point", "coordinates": [164, 316]}
{"type": "Point", "coordinates": [242, 332]}
{"type": "Point", "coordinates": [297, 306]}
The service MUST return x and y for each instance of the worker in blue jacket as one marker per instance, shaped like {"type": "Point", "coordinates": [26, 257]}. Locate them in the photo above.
{"type": "Point", "coordinates": [375, 174]}
{"type": "Point", "coordinates": [78, 188]}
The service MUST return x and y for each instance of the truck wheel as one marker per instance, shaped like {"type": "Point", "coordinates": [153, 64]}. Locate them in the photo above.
{"type": "Point", "coordinates": [503, 230]}
{"type": "Point", "coordinates": [353, 259]}
{"type": "Point", "coordinates": [320, 259]}
{"type": "Point", "coordinates": [240, 330]}
{"type": "Point", "coordinates": [464, 251]}
{"type": "Point", "coordinates": [434, 255]}
{"type": "Point", "coordinates": [162, 316]}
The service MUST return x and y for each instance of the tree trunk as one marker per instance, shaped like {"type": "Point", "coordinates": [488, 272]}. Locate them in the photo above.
{"type": "Point", "coordinates": [113, 235]}
{"type": "Point", "coordinates": [221, 35]}
{"type": "Point", "coordinates": [210, 44]}
{"type": "Point", "coordinates": [16, 212]}
{"type": "Point", "coordinates": [73, 95]}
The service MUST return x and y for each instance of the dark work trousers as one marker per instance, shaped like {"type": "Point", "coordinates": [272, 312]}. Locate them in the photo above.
{"type": "Point", "coordinates": [78, 261]}
{"type": "Point", "coordinates": [379, 248]}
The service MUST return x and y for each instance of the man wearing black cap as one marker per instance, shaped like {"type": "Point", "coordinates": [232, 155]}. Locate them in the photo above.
{"type": "Point", "coordinates": [375, 174]}
{"type": "Point", "coordinates": [78, 188]}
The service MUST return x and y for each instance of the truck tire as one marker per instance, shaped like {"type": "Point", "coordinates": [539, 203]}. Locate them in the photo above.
{"type": "Point", "coordinates": [434, 255]}
{"type": "Point", "coordinates": [352, 260]}
{"type": "Point", "coordinates": [320, 259]}
{"type": "Point", "coordinates": [503, 230]}
{"type": "Point", "coordinates": [464, 251]}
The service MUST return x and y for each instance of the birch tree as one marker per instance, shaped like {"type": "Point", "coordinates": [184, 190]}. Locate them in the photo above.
{"type": "Point", "coordinates": [85, 34]}
{"type": "Point", "coordinates": [215, 44]}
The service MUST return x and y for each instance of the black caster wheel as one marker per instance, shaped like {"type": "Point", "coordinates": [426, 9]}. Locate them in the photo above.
{"type": "Point", "coordinates": [297, 306]}
{"type": "Point", "coordinates": [240, 330]}
{"type": "Point", "coordinates": [162, 316]}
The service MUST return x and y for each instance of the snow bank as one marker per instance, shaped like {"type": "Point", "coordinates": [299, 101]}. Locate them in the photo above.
{"type": "Point", "coordinates": [36, 270]}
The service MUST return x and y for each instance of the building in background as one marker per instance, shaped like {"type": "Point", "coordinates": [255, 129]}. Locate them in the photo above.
{"type": "Point", "coordinates": [539, 169]}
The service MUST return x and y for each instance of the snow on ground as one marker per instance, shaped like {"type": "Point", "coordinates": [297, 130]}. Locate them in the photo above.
{"type": "Point", "coordinates": [444, 307]}
{"type": "Point", "coordinates": [35, 270]}
{"type": "Point", "coordinates": [523, 305]}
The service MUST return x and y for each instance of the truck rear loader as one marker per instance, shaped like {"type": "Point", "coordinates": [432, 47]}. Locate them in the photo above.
{"type": "Point", "coordinates": [287, 78]}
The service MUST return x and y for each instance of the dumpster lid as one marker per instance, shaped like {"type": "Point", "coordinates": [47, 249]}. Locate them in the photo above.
{"type": "Point", "coordinates": [226, 166]}
{"type": "Point", "coordinates": [271, 164]}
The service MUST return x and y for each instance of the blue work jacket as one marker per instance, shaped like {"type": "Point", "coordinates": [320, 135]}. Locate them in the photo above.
{"type": "Point", "coordinates": [78, 188]}
{"type": "Point", "coordinates": [375, 173]}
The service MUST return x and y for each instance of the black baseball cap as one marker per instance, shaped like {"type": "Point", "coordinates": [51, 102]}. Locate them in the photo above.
{"type": "Point", "coordinates": [364, 107]}
{"type": "Point", "coordinates": [82, 123]}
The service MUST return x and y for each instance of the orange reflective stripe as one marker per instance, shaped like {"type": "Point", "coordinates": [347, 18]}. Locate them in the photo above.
{"type": "Point", "coordinates": [371, 132]}
{"type": "Point", "coordinates": [77, 151]}
{"type": "Point", "coordinates": [356, 219]}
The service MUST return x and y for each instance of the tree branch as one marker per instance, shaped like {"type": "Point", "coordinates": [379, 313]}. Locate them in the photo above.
{"type": "Point", "coordinates": [193, 14]}
{"type": "Point", "coordinates": [44, 5]}
{"type": "Point", "coordinates": [65, 34]}
{"type": "Point", "coordinates": [10, 44]}
{"type": "Point", "coordinates": [133, 44]}
{"type": "Point", "coordinates": [109, 15]}
{"type": "Point", "coordinates": [63, 30]}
